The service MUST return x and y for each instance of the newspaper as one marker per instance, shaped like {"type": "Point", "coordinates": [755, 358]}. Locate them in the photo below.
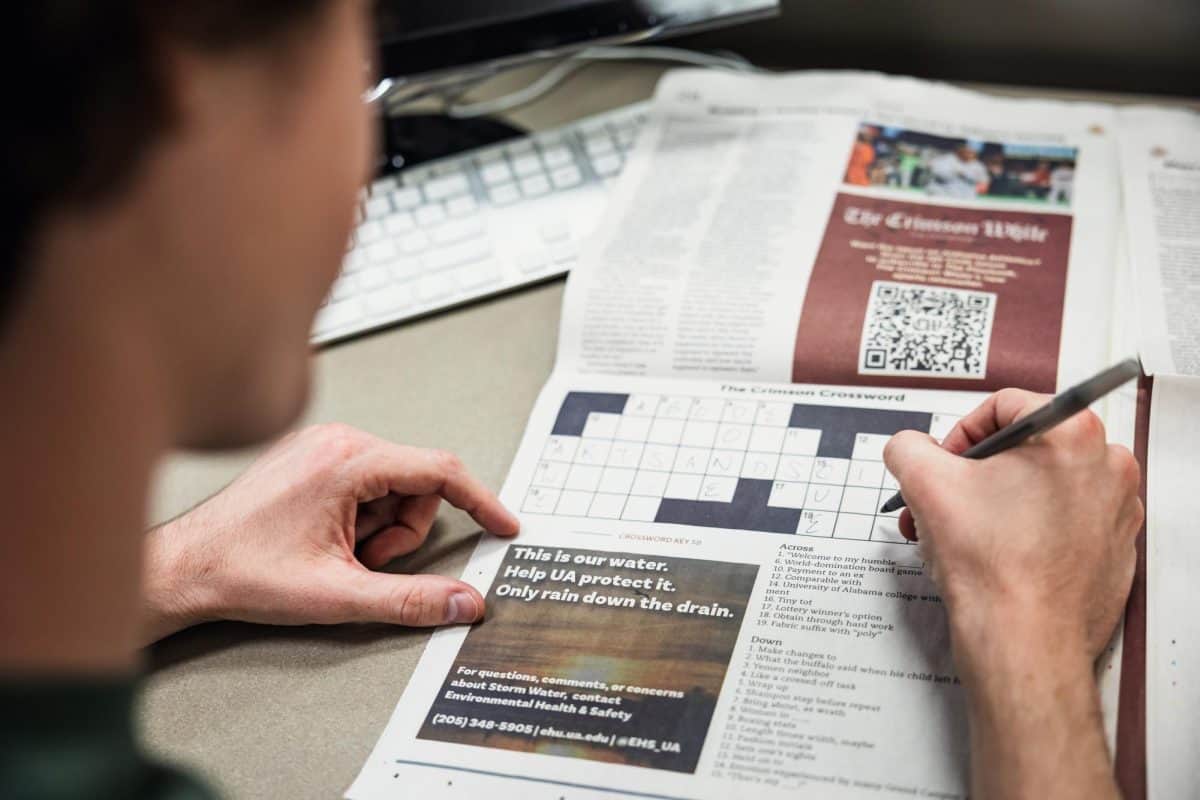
{"type": "Point", "coordinates": [704, 601]}
{"type": "Point", "coordinates": [744, 223]}
{"type": "Point", "coordinates": [1160, 159]}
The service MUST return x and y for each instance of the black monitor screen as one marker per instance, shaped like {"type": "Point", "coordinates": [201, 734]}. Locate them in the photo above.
{"type": "Point", "coordinates": [427, 36]}
{"type": "Point", "coordinates": [413, 20]}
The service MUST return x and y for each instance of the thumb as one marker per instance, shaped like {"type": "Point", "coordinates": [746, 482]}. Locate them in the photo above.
{"type": "Point", "coordinates": [414, 600]}
{"type": "Point", "coordinates": [919, 464]}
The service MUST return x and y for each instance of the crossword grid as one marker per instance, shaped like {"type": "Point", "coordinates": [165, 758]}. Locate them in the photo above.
{"type": "Point", "coordinates": [791, 468]}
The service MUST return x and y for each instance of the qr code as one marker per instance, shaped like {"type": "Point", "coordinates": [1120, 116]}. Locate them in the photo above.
{"type": "Point", "coordinates": [923, 330]}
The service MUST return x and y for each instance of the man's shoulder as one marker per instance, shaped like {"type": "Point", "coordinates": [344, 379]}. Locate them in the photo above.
{"type": "Point", "coordinates": [73, 738]}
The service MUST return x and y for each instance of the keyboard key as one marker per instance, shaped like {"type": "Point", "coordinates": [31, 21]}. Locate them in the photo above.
{"type": "Point", "coordinates": [535, 185]}
{"type": "Point", "coordinates": [429, 215]}
{"type": "Point", "coordinates": [591, 127]}
{"type": "Point", "coordinates": [406, 268]}
{"type": "Point", "coordinates": [505, 194]}
{"type": "Point", "coordinates": [398, 224]}
{"type": "Point", "coordinates": [458, 230]}
{"type": "Point", "coordinates": [383, 185]}
{"type": "Point", "coordinates": [521, 147]}
{"type": "Point", "coordinates": [433, 288]}
{"type": "Point", "coordinates": [370, 231]}
{"type": "Point", "coordinates": [372, 278]}
{"type": "Point", "coordinates": [460, 206]}
{"type": "Point", "coordinates": [338, 315]}
{"type": "Point", "coordinates": [555, 231]}
{"type": "Point", "coordinates": [557, 156]}
{"type": "Point", "coordinates": [528, 164]}
{"type": "Point", "coordinates": [415, 176]}
{"type": "Point", "coordinates": [388, 300]}
{"type": "Point", "coordinates": [415, 242]}
{"type": "Point", "coordinates": [607, 165]}
{"type": "Point", "coordinates": [447, 186]}
{"type": "Point", "coordinates": [382, 252]}
{"type": "Point", "coordinates": [355, 261]}
{"type": "Point", "coordinates": [442, 169]}
{"type": "Point", "coordinates": [496, 173]}
{"type": "Point", "coordinates": [489, 157]}
{"type": "Point", "coordinates": [407, 198]}
{"type": "Point", "coordinates": [566, 177]}
{"type": "Point", "coordinates": [599, 144]}
{"type": "Point", "coordinates": [562, 253]}
{"type": "Point", "coordinates": [454, 255]}
{"type": "Point", "coordinates": [377, 207]}
{"type": "Point", "coordinates": [533, 262]}
{"type": "Point", "coordinates": [343, 288]}
{"type": "Point", "coordinates": [476, 276]}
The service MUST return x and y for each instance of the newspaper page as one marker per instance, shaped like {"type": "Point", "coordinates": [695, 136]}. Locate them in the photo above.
{"type": "Point", "coordinates": [1172, 561]}
{"type": "Point", "coordinates": [1160, 160]}
{"type": "Point", "coordinates": [704, 601]}
{"type": "Point", "coordinates": [853, 229]}
{"type": "Point", "coordinates": [1119, 411]}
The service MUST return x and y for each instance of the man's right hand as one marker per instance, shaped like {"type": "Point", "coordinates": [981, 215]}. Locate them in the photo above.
{"type": "Point", "coordinates": [1033, 552]}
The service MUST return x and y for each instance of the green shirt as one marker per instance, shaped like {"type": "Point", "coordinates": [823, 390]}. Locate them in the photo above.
{"type": "Point", "coordinates": [73, 739]}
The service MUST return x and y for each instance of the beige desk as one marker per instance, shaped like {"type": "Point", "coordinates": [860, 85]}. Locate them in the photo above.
{"type": "Point", "coordinates": [275, 712]}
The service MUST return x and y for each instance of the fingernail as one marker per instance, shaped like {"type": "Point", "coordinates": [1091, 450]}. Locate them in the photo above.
{"type": "Point", "coordinates": [461, 608]}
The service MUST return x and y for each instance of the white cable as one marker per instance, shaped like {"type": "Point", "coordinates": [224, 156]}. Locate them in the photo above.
{"type": "Point", "coordinates": [560, 71]}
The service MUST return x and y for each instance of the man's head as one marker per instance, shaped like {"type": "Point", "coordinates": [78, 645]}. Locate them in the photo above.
{"type": "Point", "coordinates": [194, 164]}
{"type": "Point", "coordinates": [966, 152]}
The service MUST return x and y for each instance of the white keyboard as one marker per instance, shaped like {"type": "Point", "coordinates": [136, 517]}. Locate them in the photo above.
{"type": "Point", "coordinates": [477, 223]}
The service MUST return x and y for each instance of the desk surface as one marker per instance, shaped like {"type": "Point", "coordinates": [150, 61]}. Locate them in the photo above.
{"type": "Point", "coordinates": [293, 712]}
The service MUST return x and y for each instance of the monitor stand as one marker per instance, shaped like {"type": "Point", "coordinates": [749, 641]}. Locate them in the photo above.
{"type": "Point", "coordinates": [410, 139]}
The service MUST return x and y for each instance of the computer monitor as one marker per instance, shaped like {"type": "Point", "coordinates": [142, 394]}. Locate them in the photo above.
{"type": "Point", "coordinates": [430, 41]}
{"type": "Point", "coordinates": [427, 45]}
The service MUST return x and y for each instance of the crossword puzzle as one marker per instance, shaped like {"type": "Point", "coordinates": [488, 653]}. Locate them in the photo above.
{"type": "Point", "coordinates": [776, 467]}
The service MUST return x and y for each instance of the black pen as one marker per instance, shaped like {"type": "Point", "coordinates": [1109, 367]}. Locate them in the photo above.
{"type": "Point", "coordinates": [1060, 408]}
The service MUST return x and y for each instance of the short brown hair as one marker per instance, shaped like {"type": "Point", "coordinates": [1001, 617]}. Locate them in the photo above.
{"type": "Point", "coordinates": [84, 97]}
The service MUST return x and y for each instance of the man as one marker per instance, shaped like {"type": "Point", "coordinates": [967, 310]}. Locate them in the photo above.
{"type": "Point", "coordinates": [958, 174]}
{"type": "Point", "coordinates": [170, 233]}
{"type": "Point", "coordinates": [1037, 180]}
{"type": "Point", "coordinates": [1001, 182]}
{"type": "Point", "coordinates": [1062, 179]}
{"type": "Point", "coordinates": [862, 156]}
{"type": "Point", "coordinates": [909, 160]}
{"type": "Point", "coordinates": [172, 228]}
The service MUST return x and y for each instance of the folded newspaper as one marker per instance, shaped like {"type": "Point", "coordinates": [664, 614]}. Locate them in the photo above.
{"type": "Point", "coordinates": [705, 601]}
{"type": "Point", "coordinates": [1160, 158]}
